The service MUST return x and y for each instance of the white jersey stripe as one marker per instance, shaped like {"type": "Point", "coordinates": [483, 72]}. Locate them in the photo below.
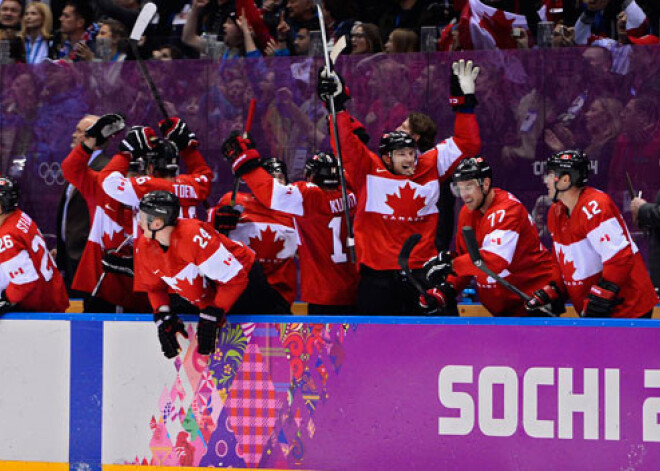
{"type": "Point", "coordinates": [448, 153]}
{"type": "Point", "coordinates": [287, 198]}
{"type": "Point", "coordinates": [120, 188]}
{"type": "Point", "coordinates": [608, 239]}
{"type": "Point", "coordinates": [20, 270]}
{"type": "Point", "coordinates": [502, 243]}
{"type": "Point", "coordinates": [222, 266]}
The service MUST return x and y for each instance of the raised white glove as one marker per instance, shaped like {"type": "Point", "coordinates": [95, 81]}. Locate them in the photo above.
{"type": "Point", "coordinates": [467, 75]}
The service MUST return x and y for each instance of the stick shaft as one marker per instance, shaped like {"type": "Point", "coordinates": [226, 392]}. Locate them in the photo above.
{"type": "Point", "coordinates": [103, 275]}
{"type": "Point", "coordinates": [350, 240]}
{"type": "Point", "coordinates": [150, 82]}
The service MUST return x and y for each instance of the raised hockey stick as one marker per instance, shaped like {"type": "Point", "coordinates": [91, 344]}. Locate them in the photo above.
{"type": "Point", "coordinates": [102, 277]}
{"type": "Point", "coordinates": [350, 240]}
{"type": "Point", "coordinates": [246, 130]}
{"type": "Point", "coordinates": [404, 256]}
{"type": "Point", "coordinates": [473, 250]}
{"type": "Point", "coordinates": [631, 189]}
{"type": "Point", "coordinates": [146, 15]}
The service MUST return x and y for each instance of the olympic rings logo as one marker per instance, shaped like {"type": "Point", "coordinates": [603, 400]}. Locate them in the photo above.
{"type": "Point", "coordinates": [51, 173]}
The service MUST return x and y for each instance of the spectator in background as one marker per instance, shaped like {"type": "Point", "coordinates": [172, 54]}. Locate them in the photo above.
{"type": "Point", "coordinates": [406, 14]}
{"type": "Point", "coordinates": [301, 43]}
{"type": "Point", "coordinates": [636, 150]}
{"type": "Point", "coordinates": [206, 17]}
{"type": "Point", "coordinates": [339, 17]}
{"type": "Point", "coordinates": [603, 125]}
{"type": "Point", "coordinates": [36, 32]}
{"type": "Point", "coordinates": [11, 13]}
{"type": "Point", "coordinates": [647, 216]}
{"type": "Point", "coordinates": [77, 31]}
{"type": "Point", "coordinates": [365, 39]}
{"type": "Point", "coordinates": [112, 35]}
{"type": "Point", "coordinates": [402, 40]}
{"type": "Point", "coordinates": [562, 36]}
{"type": "Point", "coordinates": [167, 52]}
{"type": "Point", "coordinates": [300, 13]}
{"type": "Point", "coordinates": [270, 13]}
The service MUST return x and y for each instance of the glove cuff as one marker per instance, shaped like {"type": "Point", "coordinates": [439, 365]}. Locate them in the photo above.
{"type": "Point", "coordinates": [245, 162]}
{"type": "Point", "coordinates": [212, 314]}
{"type": "Point", "coordinates": [464, 104]}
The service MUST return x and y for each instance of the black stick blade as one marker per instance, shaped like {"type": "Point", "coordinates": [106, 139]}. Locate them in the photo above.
{"type": "Point", "coordinates": [472, 244]}
{"type": "Point", "coordinates": [407, 249]}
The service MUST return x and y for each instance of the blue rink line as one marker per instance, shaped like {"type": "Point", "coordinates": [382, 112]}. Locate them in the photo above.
{"type": "Point", "coordinates": [405, 320]}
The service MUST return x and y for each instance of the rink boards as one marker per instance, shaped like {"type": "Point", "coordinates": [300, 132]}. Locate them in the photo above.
{"type": "Point", "coordinates": [94, 392]}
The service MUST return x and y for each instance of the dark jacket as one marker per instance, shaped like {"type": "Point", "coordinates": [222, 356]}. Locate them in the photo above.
{"type": "Point", "coordinates": [71, 248]}
{"type": "Point", "coordinates": [649, 218]}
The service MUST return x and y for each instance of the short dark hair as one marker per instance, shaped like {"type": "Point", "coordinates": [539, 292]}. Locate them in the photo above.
{"type": "Point", "coordinates": [83, 9]}
{"type": "Point", "coordinates": [425, 127]}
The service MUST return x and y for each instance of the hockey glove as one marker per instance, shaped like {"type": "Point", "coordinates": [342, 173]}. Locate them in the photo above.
{"type": "Point", "coordinates": [178, 132]}
{"type": "Point", "coordinates": [138, 141]}
{"type": "Point", "coordinates": [168, 326]}
{"type": "Point", "coordinates": [105, 127]}
{"type": "Point", "coordinates": [115, 262]}
{"type": "Point", "coordinates": [602, 299]}
{"type": "Point", "coordinates": [226, 219]}
{"type": "Point", "coordinates": [462, 85]}
{"type": "Point", "coordinates": [331, 84]}
{"type": "Point", "coordinates": [211, 320]}
{"type": "Point", "coordinates": [543, 298]}
{"type": "Point", "coordinates": [438, 268]}
{"type": "Point", "coordinates": [436, 301]}
{"type": "Point", "coordinates": [241, 153]}
{"type": "Point", "coordinates": [5, 304]}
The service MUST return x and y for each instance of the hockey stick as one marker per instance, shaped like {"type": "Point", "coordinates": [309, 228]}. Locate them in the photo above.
{"type": "Point", "coordinates": [248, 126]}
{"type": "Point", "coordinates": [102, 277]}
{"type": "Point", "coordinates": [404, 256]}
{"type": "Point", "coordinates": [631, 189]}
{"type": "Point", "coordinates": [146, 15]}
{"type": "Point", "coordinates": [473, 249]}
{"type": "Point", "coordinates": [350, 240]}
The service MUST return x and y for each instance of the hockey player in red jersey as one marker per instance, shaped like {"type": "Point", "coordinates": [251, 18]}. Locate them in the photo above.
{"type": "Point", "coordinates": [201, 265]}
{"type": "Point", "coordinates": [29, 279]}
{"type": "Point", "coordinates": [397, 192]}
{"type": "Point", "coordinates": [112, 225]}
{"type": "Point", "coordinates": [601, 266]}
{"type": "Point", "coordinates": [162, 163]}
{"type": "Point", "coordinates": [509, 245]}
{"type": "Point", "coordinates": [328, 278]}
{"type": "Point", "coordinates": [271, 234]}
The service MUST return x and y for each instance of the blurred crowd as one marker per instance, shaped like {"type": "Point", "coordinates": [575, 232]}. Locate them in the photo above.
{"type": "Point", "coordinates": [97, 30]}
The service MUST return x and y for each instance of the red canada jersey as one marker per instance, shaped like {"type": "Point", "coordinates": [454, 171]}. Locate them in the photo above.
{"type": "Point", "coordinates": [112, 223]}
{"type": "Point", "coordinates": [273, 238]}
{"type": "Point", "coordinates": [28, 274]}
{"type": "Point", "coordinates": [593, 242]}
{"type": "Point", "coordinates": [393, 207]}
{"type": "Point", "coordinates": [510, 246]}
{"type": "Point", "coordinates": [200, 264]}
{"type": "Point", "coordinates": [327, 276]}
{"type": "Point", "coordinates": [191, 188]}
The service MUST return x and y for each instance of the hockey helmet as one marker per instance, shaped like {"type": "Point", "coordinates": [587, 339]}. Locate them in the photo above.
{"type": "Point", "coordinates": [273, 165]}
{"type": "Point", "coordinates": [394, 140]}
{"type": "Point", "coordinates": [570, 162]}
{"type": "Point", "coordinates": [9, 194]}
{"type": "Point", "coordinates": [164, 158]}
{"type": "Point", "coordinates": [323, 169]}
{"type": "Point", "coordinates": [472, 168]}
{"type": "Point", "coordinates": [161, 204]}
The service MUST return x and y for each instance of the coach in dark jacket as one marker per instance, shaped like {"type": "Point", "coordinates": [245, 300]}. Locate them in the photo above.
{"type": "Point", "coordinates": [647, 216]}
{"type": "Point", "coordinates": [73, 218]}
